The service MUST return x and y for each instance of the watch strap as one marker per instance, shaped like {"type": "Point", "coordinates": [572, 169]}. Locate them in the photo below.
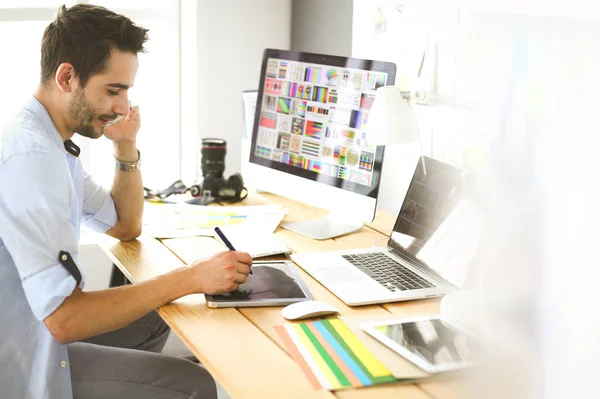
{"type": "Point", "coordinates": [128, 166]}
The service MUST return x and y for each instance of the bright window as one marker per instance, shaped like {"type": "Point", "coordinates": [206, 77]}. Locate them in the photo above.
{"type": "Point", "coordinates": [13, 4]}
{"type": "Point", "coordinates": [156, 90]}
{"type": "Point", "coordinates": [22, 74]}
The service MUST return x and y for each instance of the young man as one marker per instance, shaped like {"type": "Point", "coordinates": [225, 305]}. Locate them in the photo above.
{"type": "Point", "coordinates": [57, 341]}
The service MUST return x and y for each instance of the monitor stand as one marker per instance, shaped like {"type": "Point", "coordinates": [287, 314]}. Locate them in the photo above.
{"type": "Point", "coordinates": [325, 228]}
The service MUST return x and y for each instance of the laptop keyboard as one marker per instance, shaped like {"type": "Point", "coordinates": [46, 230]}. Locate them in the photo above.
{"type": "Point", "coordinates": [387, 272]}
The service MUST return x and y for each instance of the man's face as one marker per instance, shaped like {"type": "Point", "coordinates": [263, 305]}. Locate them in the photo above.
{"type": "Point", "coordinates": [104, 97]}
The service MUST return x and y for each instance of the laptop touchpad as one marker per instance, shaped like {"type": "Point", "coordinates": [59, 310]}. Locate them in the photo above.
{"type": "Point", "coordinates": [339, 275]}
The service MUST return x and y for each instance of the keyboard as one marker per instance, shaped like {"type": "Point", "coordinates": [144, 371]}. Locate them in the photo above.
{"type": "Point", "coordinates": [387, 272]}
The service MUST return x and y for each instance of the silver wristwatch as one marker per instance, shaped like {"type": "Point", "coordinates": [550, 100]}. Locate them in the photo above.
{"type": "Point", "coordinates": [128, 166]}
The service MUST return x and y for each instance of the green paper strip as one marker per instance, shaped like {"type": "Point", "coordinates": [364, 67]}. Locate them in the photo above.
{"type": "Point", "coordinates": [330, 362]}
{"type": "Point", "coordinates": [350, 352]}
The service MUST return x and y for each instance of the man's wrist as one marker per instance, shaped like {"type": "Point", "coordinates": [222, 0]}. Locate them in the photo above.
{"type": "Point", "coordinates": [128, 166]}
{"type": "Point", "coordinates": [183, 281]}
{"type": "Point", "coordinates": [126, 151]}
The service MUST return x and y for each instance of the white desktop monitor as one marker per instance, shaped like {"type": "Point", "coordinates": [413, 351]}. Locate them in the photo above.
{"type": "Point", "coordinates": [309, 140]}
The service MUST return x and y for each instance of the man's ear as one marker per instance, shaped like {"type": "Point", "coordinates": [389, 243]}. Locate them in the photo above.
{"type": "Point", "coordinates": [66, 78]}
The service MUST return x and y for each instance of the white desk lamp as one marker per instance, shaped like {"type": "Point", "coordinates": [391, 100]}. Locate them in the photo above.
{"type": "Point", "coordinates": [392, 120]}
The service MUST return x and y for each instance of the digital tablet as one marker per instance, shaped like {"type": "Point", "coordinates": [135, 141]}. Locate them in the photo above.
{"type": "Point", "coordinates": [428, 342]}
{"type": "Point", "coordinates": [273, 283]}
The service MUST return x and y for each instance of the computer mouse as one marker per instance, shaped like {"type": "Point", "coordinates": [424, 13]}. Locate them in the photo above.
{"type": "Point", "coordinates": [307, 309]}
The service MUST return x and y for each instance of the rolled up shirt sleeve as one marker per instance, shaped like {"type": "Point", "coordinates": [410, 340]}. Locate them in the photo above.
{"type": "Point", "coordinates": [99, 211]}
{"type": "Point", "coordinates": [35, 211]}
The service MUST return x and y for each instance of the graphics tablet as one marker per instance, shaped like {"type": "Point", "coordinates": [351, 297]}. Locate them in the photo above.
{"type": "Point", "coordinates": [273, 283]}
{"type": "Point", "coordinates": [427, 341]}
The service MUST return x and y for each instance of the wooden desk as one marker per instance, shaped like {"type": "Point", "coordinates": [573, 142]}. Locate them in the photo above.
{"type": "Point", "coordinates": [239, 346]}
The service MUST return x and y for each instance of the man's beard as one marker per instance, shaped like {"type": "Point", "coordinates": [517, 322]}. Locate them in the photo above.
{"type": "Point", "coordinates": [81, 110]}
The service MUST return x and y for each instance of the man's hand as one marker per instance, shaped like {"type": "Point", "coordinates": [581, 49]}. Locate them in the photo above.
{"type": "Point", "coordinates": [84, 314]}
{"type": "Point", "coordinates": [223, 272]}
{"type": "Point", "coordinates": [126, 129]}
{"type": "Point", "coordinates": [127, 190]}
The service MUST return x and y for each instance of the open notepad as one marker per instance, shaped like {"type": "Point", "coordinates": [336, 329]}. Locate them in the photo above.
{"type": "Point", "coordinates": [257, 242]}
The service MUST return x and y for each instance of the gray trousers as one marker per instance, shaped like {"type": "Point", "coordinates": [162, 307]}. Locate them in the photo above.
{"type": "Point", "coordinates": [127, 364]}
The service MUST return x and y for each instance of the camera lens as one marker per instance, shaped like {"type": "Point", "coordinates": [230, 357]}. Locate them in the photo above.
{"type": "Point", "coordinates": [213, 157]}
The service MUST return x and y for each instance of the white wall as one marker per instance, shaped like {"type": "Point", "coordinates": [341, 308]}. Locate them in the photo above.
{"type": "Point", "coordinates": [322, 26]}
{"type": "Point", "coordinates": [327, 27]}
{"type": "Point", "coordinates": [230, 38]}
{"type": "Point", "coordinates": [469, 55]}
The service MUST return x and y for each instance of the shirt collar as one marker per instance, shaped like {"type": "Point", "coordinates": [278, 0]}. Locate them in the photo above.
{"type": "Point", "coordinates": [37, 108]}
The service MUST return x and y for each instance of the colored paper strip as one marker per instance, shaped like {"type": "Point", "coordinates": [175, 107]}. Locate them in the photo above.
{"type": "Point", "coordinates": [333, 367]}
{"type": "Point", "coordinates": [317, 371]}
{"type": "Point", "coordinates": [356, 370]}
{"type": "Point", "coordinates": [297, 356]}
{"type": "Point", "coordinates": [348, 350]}
{"type": "Point", "coordinates": [335, 355]}
{"type": "Point", "coordinates": [375, 367]}
{"type": "Point", "coordinates": [316, 356]}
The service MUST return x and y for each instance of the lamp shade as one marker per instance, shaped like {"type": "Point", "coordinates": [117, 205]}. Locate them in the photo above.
{"type": "Point", "coordinates": [391, 120]}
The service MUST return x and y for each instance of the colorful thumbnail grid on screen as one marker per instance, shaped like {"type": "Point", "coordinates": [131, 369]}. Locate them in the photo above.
{"type": "Point", "coordinates": [315, 117]}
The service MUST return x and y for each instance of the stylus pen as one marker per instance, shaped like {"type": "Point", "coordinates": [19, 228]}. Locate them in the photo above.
{"type": "Point", "coordinates": [226, 241]}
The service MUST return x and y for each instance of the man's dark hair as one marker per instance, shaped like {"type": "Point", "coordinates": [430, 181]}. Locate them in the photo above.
{"type": "Point", "coordinates": [84, 35]}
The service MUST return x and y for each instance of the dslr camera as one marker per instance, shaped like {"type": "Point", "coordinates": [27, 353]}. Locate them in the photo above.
{"type": "Point", "coordinates": [213, 183]}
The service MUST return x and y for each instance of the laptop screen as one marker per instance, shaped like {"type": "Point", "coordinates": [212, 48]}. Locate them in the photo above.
{"type": "Point", "coordinates": [438, 225]}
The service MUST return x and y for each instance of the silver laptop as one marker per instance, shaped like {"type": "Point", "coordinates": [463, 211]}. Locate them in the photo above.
{"type": "Point", "coordinates": [434, 241]}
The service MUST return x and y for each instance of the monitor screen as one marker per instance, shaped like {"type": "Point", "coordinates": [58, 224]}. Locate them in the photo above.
{"type": "Point", "coordinates": [312, 117]}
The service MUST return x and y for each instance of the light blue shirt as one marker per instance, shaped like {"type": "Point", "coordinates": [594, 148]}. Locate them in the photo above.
{"type": "Point", "coordinates": [44, 197]}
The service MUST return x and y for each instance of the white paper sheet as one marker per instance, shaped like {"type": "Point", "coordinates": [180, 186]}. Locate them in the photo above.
{"type": "Point", "coordinates": [184, 220]}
